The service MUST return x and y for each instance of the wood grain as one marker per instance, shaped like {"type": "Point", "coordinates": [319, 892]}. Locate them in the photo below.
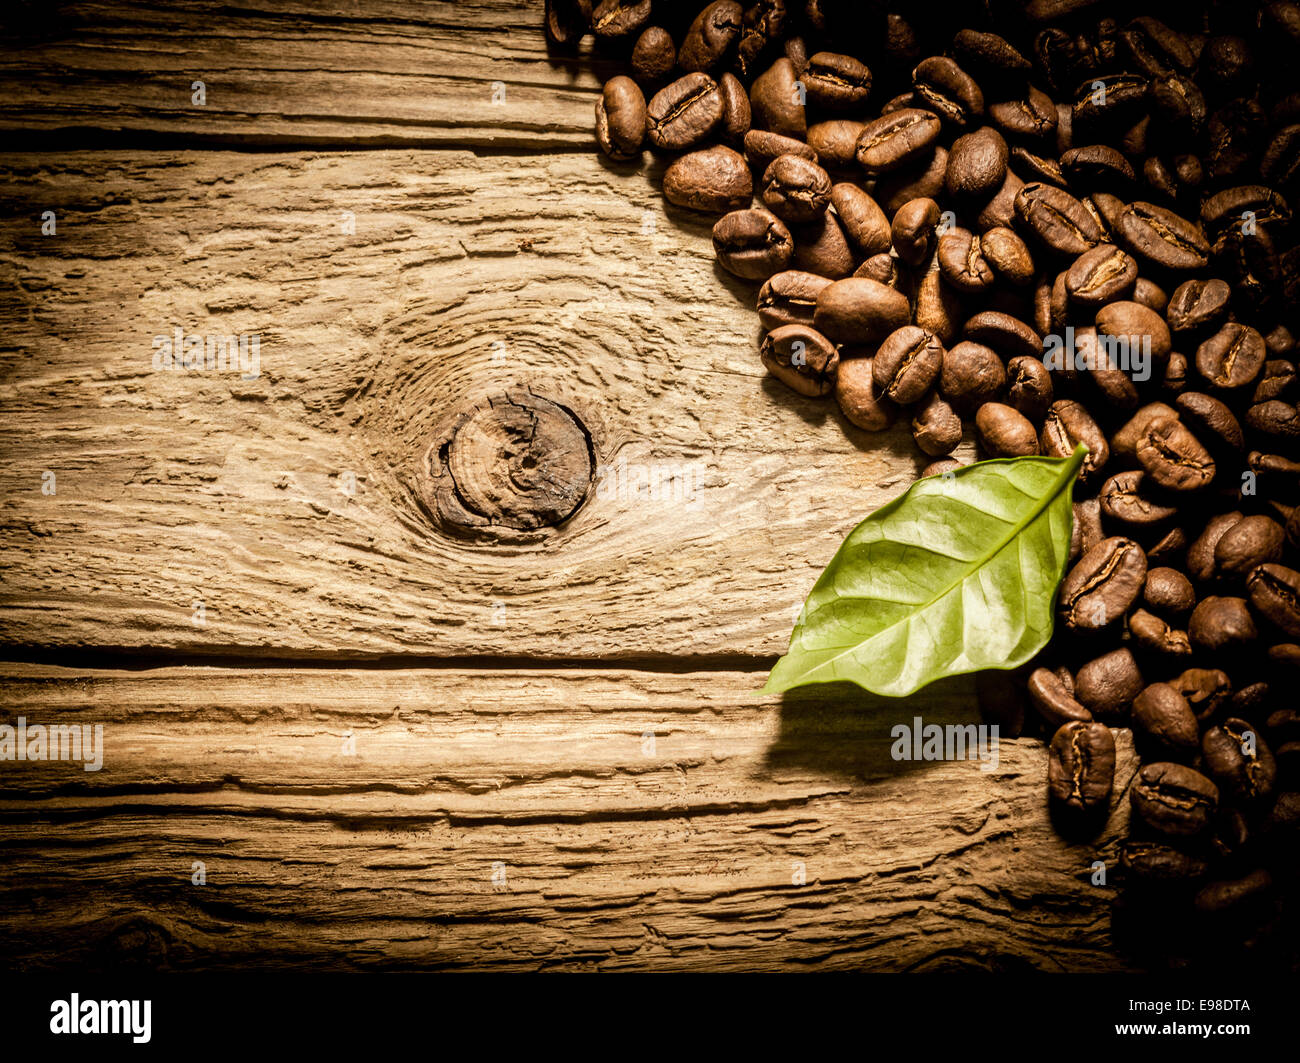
{"type": "Point", "coordinates": [294, 73]}
{"type": "Point", "coordinates": [633, 820]}
{"type": "Point", "coordinates": [465, 277]}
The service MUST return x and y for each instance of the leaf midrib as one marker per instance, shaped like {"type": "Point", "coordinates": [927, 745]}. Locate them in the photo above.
{"type": "Point", "coordinates": [1068, 473]}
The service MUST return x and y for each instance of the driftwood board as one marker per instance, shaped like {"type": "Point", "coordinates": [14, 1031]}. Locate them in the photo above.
{"type": "Point", "coordinates": [515, 747]}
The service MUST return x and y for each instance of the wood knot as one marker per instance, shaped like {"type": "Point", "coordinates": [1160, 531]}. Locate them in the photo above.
{"type": "Point", "coordinates": [518, 462]}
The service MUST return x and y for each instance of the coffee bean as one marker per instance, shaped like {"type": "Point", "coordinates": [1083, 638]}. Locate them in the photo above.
{"type": "Point", "coordinates": [1157, 235]}
{"type": "Point", "coordinates": [836, 142]}
{"type": "Point", "coordinates": [907, 364]}
{"type": "Point", "coordinates": [972, 374]}
{"type": "Point", "coordinates": [886, 269]}
{"type": "Point", "coordinates": [1173, 458]}
{"type": "Point", "coordinates": [945, 88]}
{"type": "Point", "coordinates": [789, 298]}
{"type": "Point", "coordinates": [714, 180]}
{"type": "Point", "coordinates": [752, 244]}
{"type": "Point", "coordinates": [1157, 864]}
{"type": "Point", "coordinates": [936, 428]}
{"type": "Point", "coordinates": [763, 148]}
{"type": "Point", "coordinates": [1163, 717]}
{"type": "Point", "coordinates": [711, 36]}
{"type": "Point", "coordinates": [857, 310]}
{"type": "Point", "coordinates": [1138, 326]}
{"type": "Point", "coordinates": [1207, 690]}
{"type": "Point", "coordinates": [1174, 799]}
{"type": "Point", "coordinates": [1031, 116]}
{"type": "Point", "coordinates": [1087, 531]}
{"type": "Point", "coordinates": [1226, 210]}
{"type": "Point", "coordinates": [1101, 275]}
{"type": "Point", "coordinates": [1081, 766]}
{"type": "Point", "coordinates": [1200, 555]}
{"type": "Point", "coordinates": [894, 140]}
{"type": "Point", "coordinates": [920, 179]}
{"type": "Point", "coordinates": [1198, 304]}
{"type": "Point", "coordinates": [938, 308]}
{"type": "Point", "coordinates": [1051, 693]}
{"type": "Point", "coordinates": [1004, 432]}
{"type": "Point", "coordinates": [991, 57]}
{"type": "Point", "coordinates": [977, 164]}
{"type": "Point", "coordinates": [1029, 387]}
{"type": "Point", "coordinates": [836, 82]}
{"type": "Point", "coordinates": [1252, 541]}
{"type": "Point", "coordinates": [1220, 624]}
{"type": "Point", "coordinates": [1239, 760]}
{"type": "Point", "coordinates": [1125, 498]}
{"type": "Point", "coordinates": [654, 55]}
{"type": "Point", "coordinates": [775, 100]}
{"type": "Point", "coordinates": [1103, 585]}
{"type": "Point", "coordinates": [1212, 421]}
{"type": "Point", "coordinates": [796, 190]}
{"type": "Point", "coordinates": [621, 118]}
{"type": "Point", "coordinates": [1107, 685]}
{"type": "Point", "coordinates": [1274, 418]}
{"type": "Point", "coordinates": [567, 22]}
{"type": "Point", "coordinates": [620, 18]}
{"type": "Point", "coordinates": [1007, 335]}
{"type": "Point", "coordinates": [1095, 167]}
{"type": "Point", "coordinates": [941, 466]}
{"type": "Point", "coordinates": [1234, 895]}
{"type": "Point", "coordinates": [735, 110]}
{"type": "Point", "coordinates": [913, 230]}
{"type": "Point", "coordinates": [962, 263]}
{"type": "Point", "coordinates": [1168, 592]}
{"type": "Point", "coordinates": [860, 400]}
{"type": "Point", "coordinates": [1156, 635]}
{"type": "Point", "coordinates": [1232, 358]}
{"type": "Point", "coordinates": [1277, 381]}
{"type": "Point", "coordinates": [1275, 594]}
{"type": "Point", "coordinates": [1008, 255]}
{"type": "Point", "coordinates": [1059, 221]}
{"type": "Point", "coordinates": [1170, 548]}
{"type": "Point", "coordinates": [1067, 425]}
{"type": "Point", "coordinates": [684, 113]}
{"type": "Point", "coordinates": [801, 358]}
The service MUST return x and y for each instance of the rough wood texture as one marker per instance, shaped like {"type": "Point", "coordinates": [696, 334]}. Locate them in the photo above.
{"type": "Point", "coordinates": [466, 277]}
{"type": "Point", "coordinates": [632, 819]}
{"type": "Point", "coordinates": [294, 73]}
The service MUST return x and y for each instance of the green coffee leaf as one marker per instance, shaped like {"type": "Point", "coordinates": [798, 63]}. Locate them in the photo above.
{"type": "Point", "coordinates": [957, 575]}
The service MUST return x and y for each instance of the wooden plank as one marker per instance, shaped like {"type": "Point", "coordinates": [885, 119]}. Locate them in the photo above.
{"type": "Point", "coordinates": [295, 73]}
{"type": "Point", "coordinates": [467, 279]}
{"type": "Point", "coordinates": [632, 820]}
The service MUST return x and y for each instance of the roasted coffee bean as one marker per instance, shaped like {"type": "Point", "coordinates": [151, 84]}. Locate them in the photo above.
{"type": "Point", "coordinates": [941, 466]}
{"type": "Point", "coordinates": [1168, 592]}
{"type": "Point", "coordinates": [1281, 162]}
{"type": "Point", "coordinates": [735, 110]}
{"type": "Point", "coordinates": [567, 22]}
{"type": "Point", "coordinates": [1156, 864]}
{"type": "Point", "coordinates": [1173, 458]}
{"type": "Point", "coordinates": [1239, 760]}
{"type": "Point", "coordinates": [1220, 624]}
{"type": "Point", "coordinates": [1200, 555]}
{"type": "Point", "coordinates": [821, 247]}
{"type": "Point", "coordinates": [1212, 422]}
{"type": "Point", "coordinates": [938, 308]}
{"type": "Point", "coordinates": [1275, 594]}
{"type": "Point", "coordinates": [1198, 304]}
{"type": "Point", "coordinates": [1007, 335]}
{"type": "Point", "coordinates": [620, 18]}
{"type": "Point", "coordinates": [920, 179]}
{"type": "Point", "coordinates": [1141, 329]}
{"type": "Point", "coordinates": [859, 399]}
{"type": "Point", "coordinates": [1122, 499]}
{"type": "Point", "coordinates": [796, 190]}
{"type": "Point", "coordinates": [621, 118]}
{"type": "Point", "coordinates": [763, 148]}
{"type": "Point", "coordinates": [752, 244]}
{"type": "Point", "coordinates": [962, 263]}
{"type": "Point", "coordinates": [1174, 799]}
{"type": "Point", "coordinates": [1029, 387]}
{"type": "Point", "coordinates": [1159, 236]}
{"type": "Point", "coordinates": [1157, 50]}
{"type": "Point", "coordinates": [836, 82]}
{"type": "Point", "coordinates": [1170, 548]}
{"type": "Point", "coordinates": [1107, 685]}
{"type": "Point", "coordinates": [801, 358]}
{"type": "Point", "coordinates": [895, 140]}
{"type": "Point", "coordinates": [1175, 378]}
{"type": "Point", "coordinates": [945, 88]}
{"type": "Point", "coordinates": [1124, 442]}
{"type": "Point", "coordinates": [864, 222]}
{"type": "Point", "coordinates": [1103, 585]}
{"type": "Point", "coordinates": [711, 36]}
{"type": "Point", "coordinates": [857, 310]}
{"type": "Point", "coordinates": [913, 230]}
{"type": "Point", "coordinates": [977, 164]}
{"type": "Point", "coordinates": [654, 55]}
{"type": "Point", "coordinates": [1232, 358]}
{"type": "Point", "coordinates": [1100, 276]}
{"type": "Point", "coordinates": [1252, 541]}
{"type": "Point", "coordinates": [1031, 116]}
{"type": "Point", "coordinates": [1277, 381]}
{"type": "Point", "coordinates": [1081, 766]}
{"type": "Point", "coordinates": [1234, 895]}
{"type": "Point", "coordinates": [884, 268]}
{"type": "Point", "coordinates": [789, 298]}
{"type": "Point", "coordinates": [1113, 106]}
{"type": "Point", "coordinates": [1087, 531]}
{"type": "Point", "coordinates": [1156, 635]}
{"type": "Point", "coordinates": [972, 374]}
{"type": "Point", "coordinates": [990, 57]}
{"type": "Point", "coordinates": [1008, 255]}
{"type": "Point", "coordinates": [1096, 167]}
{"type": "Point", "coordinates": [836, 142]}
{"type": "Point", "coordinates": [1005, 432]}
{"type": "Point", "coordinates": [685, 113]}
{"type": "Point", "coordinates": [1274, 418]}
{"type": "Point", "coordinates": [715, 180]}
{"type": "Point", "coordinates": [1207, 690]}
{"type": "Point", "coordinates": [1067, 425]}
{"type": "Point", "coordinates": [936, 428]}
{"type": "Point", "coordinates": [1037, 167]}
{"type": "Point", "coordinates": [1051, 693]}
{"type": "Point", "coordinates": [1059, 221]}
{"type": "Point", "coordinates": [1150, 294]}
{"type": "Point", "coordinates": [907, 364]}
{"type": "Point", "coordinates": [775, 101]}
{"type": "Point", "coordinates": [1229, 208]}
{"type": "Point", "coordinates": [1163, 716]}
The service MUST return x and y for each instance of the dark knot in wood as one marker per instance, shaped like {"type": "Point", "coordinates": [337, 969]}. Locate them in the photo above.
{"type": "Point", "coordinates": [518, 461]}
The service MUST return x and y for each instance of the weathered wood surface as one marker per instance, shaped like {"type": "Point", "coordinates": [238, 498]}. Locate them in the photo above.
{"type": "Point", "coordinates": [632, 819]}
{"type": "Point", "coordinates": [293, 73]}
{"type": "Point", "coordinates": [465, 277]}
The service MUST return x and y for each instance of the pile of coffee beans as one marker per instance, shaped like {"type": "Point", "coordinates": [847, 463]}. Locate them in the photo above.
{"type": "Point", "coordinates": [1046, 222]}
